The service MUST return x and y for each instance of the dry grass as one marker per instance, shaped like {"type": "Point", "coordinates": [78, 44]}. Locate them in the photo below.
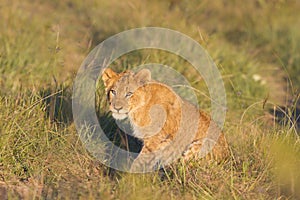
{"type": "Point", "coordinates": [42, 44]}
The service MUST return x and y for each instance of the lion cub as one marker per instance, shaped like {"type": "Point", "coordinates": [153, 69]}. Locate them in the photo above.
{"type": "Point", "coordinates": [169, 126]}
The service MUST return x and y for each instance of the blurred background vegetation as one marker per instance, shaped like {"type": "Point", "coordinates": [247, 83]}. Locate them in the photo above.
{"type": "Point", "coordinates": [255, 44]}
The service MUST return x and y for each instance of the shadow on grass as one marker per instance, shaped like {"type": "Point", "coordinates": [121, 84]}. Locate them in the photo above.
{"type": "Point", "coordinates": [116, 135]}
{"type": "Point", "coordinates": [287, 115]}
{"type": "Point", "coordinates": [58, 108]}
{"type": "Point", "coordinates": [58, 104]}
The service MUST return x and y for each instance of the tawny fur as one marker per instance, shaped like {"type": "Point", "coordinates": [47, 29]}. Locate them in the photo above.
{"type": "Point", "coordinates": [158, 115]}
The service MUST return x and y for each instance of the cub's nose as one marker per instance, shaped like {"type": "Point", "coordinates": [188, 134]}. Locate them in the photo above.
{"type": "Point", "coordinates": [118, 108]}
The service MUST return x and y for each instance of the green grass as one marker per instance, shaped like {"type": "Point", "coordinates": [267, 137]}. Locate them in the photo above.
{"type": "Point", "coordinates": [43, 43]}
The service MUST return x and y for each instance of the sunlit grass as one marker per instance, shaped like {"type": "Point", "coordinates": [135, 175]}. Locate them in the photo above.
{"type": "Point", "coordinates": [42, 44]}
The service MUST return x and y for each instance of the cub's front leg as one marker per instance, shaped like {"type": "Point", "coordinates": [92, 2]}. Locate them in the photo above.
{"type": "Point", "coordinates": [145, 162]}
{"type": "Point", "coordinates": [152, 153]}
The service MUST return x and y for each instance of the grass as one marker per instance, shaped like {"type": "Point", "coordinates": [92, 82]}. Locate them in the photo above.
{"type": "Point", "coordinates": [42, 44]}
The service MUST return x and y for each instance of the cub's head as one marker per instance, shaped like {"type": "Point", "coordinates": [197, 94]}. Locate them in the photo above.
{"type": "Point", "coordinates": [121, 90]}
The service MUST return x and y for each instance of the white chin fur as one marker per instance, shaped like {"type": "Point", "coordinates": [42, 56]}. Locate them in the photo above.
{"type": "Point", "coordinates": [119, 116]}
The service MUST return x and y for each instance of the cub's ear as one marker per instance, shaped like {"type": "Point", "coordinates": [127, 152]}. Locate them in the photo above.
{"type": "Point", "coordinates": [108, 77]}
{"type": "Point", "coordinates": [143, 76]}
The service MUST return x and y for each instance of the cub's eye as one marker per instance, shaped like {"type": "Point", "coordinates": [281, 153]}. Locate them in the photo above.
{"type": "Point", "coordinates": [129, 94]}
{"type": "Point", "coordinates": [113, 92]}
